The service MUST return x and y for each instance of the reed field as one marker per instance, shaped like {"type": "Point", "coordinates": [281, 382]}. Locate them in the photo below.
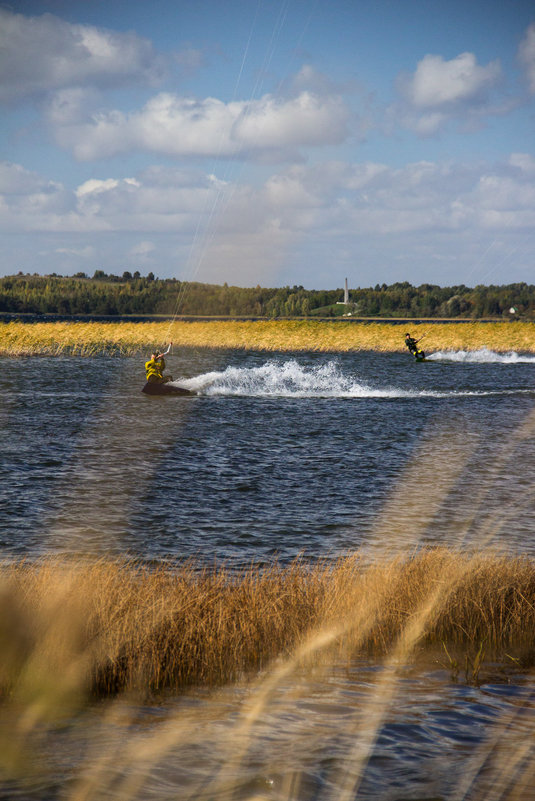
{"type": "Point", "coordinates": [73, 631]}
{"type": "Point", "coordinates": [106, 625]}
{"type": "Point", "coordinates": [123, 338]}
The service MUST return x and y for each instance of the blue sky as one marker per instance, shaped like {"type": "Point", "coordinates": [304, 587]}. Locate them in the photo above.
{"type": "Point", "coordinates": [271, 142]}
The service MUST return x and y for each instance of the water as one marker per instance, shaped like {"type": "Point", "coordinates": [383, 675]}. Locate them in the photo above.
{"type": "Point", "coordinates": [276, 455]}
{"type": "Point", "coordinates": [344, 735]}
{"type": "Point", "coordinates": [279, 455]}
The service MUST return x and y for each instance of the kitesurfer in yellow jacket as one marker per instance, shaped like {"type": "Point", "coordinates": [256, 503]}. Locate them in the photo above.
{"type": "Point", "coordinates": [155, 366]}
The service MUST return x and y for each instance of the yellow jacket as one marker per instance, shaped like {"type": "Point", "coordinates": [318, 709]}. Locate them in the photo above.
{"type": "Point", "coordinates": [154, 369]}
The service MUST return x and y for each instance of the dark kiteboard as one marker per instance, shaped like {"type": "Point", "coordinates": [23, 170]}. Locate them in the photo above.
{"type": "Point", "coordinates": [155, 388]}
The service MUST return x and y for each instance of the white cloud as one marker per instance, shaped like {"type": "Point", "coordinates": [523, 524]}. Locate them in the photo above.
{"type": "Point", "coordinates": [87, 252]}
{"type": "Point", "coordinates": [438, 83]}
{"type": "Point", "coordinates": [178, 201]}
{"type": "Point", "coordinates": [142, 250]}
{"type": "Point", "coordinates": [96, 187]}
{"type": "Point", "coordinates": [440, 91]}
{"type": "Point", "coordinates": [307, 119]}
{"type": "Point", "coordinates": [425, 124]}
{"type": "Point", "coordinates": [27, 199]}
{"type": "Point", "coordinates": [525, 162]}
{"type": "Point", "coordinates": [501, 192]}
{"type": "Point", "coordinates": [43, 54]}
{"type": "Point", "coordinates": [16, 180]}
{"type": "Point", "coordinates": [69, 106]}
{"type": "Point", "coordinates": [526, 55]}
{"type": "Point", "coordinates": [245, 233]}
{"type": "Point", "coordinates": [179, 127]}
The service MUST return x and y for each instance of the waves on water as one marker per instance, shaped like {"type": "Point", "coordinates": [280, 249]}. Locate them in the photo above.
{"type": "Point", "coordinates": [292, 380]}
{"type": "Point", "coordinates": [483, 356]}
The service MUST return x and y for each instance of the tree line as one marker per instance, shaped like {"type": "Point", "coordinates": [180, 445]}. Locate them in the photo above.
{"type": "Point", "coordinates": [134, 294]}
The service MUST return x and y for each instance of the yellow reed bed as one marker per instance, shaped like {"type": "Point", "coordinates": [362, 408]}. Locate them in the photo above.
{"type": "Point", "coordinates": [108, 625]}
{"type": "Point", "coordinates": [87, 339]}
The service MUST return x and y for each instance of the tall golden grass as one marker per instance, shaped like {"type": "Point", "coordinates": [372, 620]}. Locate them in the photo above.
{"type": "Point", "coordinates": [88, 339]}
{"type": "Point", "coordinates": [111, 625]}
{"type": "Point", "coordinates": [71, 630]}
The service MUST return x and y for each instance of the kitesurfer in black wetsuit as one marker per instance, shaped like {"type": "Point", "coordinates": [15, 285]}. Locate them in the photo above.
{"type": "Point", "coordinates": [412, 345]}
{"type": "Point", "coordinates": [155, 366]}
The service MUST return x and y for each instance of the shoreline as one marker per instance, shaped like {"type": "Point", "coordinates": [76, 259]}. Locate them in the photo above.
{"type": "Point", "coordinates": [128, 338]}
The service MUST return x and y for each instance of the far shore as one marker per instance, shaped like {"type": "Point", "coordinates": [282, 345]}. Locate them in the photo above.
{"type": "Point", "coordinates": [62, 338]}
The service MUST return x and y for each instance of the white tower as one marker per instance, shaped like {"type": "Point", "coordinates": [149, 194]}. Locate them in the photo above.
{"type": "Point", "coordinates": [346, 294]}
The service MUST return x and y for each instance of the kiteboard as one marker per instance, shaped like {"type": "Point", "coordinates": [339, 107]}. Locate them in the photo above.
{"type": "Point", "coordinates": [155, 388]}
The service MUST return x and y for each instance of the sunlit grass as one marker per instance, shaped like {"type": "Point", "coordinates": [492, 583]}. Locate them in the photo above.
{"type": "Point", "coordinates": [88, 339]}
{"type": "Point", "coordinates": [74, 630]}
{"type": "Point", "coordinates": [125, 626]}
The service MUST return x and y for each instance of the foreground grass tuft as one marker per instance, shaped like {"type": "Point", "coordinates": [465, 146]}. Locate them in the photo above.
{"type": "Point", "coordinates": [106, 626]}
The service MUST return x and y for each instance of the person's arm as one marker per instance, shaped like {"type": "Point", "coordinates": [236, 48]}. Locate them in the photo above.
{"type": "Point", "coordinates": [161, 355]}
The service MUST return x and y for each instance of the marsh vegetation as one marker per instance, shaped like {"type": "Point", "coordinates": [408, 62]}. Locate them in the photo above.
{"type": "Point", "coordinates": [91, 338]}
{"type": "Point", "coordinates": [74, 630]}
{"type": "Point", "coordinates": [118, 625]}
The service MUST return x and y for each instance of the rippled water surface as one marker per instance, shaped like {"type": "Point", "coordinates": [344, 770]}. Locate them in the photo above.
{"type": "Point", "coordinates": [357, 732]}
{"type": "Point", "coordinates": [274, 455]}
{"type": "Point", "coordinates": [277, 455]}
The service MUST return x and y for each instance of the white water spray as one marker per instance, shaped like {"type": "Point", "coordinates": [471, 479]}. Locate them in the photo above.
{"type": "Point", "coordinates": [483, 356]}
{"type": "Point", "coordinates": [292, 380]}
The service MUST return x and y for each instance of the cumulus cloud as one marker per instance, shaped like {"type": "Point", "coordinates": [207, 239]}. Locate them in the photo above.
{"type": "Point", "coordinates": [526, 56]}
{"type": "Point", "coordinates": [27, 199]}
{"type": "Point", "coordinates": [438, 83]}
{"type": "Point", "coordinates": [177, 126]}
{"type": "Point", "coordinates": [195, 226]}
{"type": "Point", "coordinates": [423, 211]}
{"type": "Point", "coordinates": [42, 54]}
{"type": "Point", "coordinates": [307, 119]}
{"type": "Point", "coordinates": [373, 196]}
{"type": "Point", "coordinates": [440, 91]}
{"type": "Point", "coordinates": [16, 180]}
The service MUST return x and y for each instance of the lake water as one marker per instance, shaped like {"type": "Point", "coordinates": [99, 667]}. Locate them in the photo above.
{"type": "Point", "coordinates": [278, 455]}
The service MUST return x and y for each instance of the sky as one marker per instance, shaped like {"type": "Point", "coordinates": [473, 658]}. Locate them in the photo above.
{"type": "Point", "coordinates": [269, 142]}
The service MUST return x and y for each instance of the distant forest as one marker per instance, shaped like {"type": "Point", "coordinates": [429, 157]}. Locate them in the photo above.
{"type": "Point", "coordinates": [129, 294]}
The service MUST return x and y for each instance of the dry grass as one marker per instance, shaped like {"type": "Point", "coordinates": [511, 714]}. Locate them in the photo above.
{"type": "Point", "coordinates": [88, 339]}
{"type": "Point", "coordinates": [70, 630]}
{"type": "Point", "coordinates": [110, 626]}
